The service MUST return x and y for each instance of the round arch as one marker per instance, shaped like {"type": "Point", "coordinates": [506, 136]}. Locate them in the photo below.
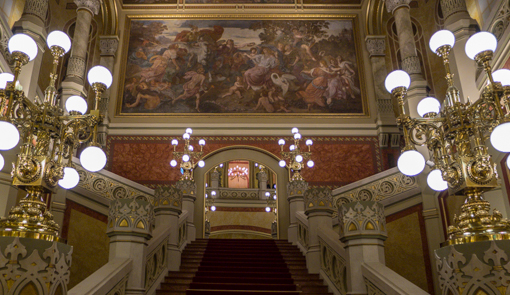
{"type": "Point", "coordinates": [242, 152]}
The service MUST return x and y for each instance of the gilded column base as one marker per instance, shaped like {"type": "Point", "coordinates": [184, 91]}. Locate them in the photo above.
{"type": "Point", "coordinates": [474, 268]}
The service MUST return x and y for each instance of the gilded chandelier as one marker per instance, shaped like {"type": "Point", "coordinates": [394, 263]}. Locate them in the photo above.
{"type": "Point", "coordinates": [238, 172]}
{"type": "Point", "coordinates": [455, 136]}
{"type": "Point", "coordinates": [48, 137]}
{"type": "Point", "coordinates": [189, 157]}
{"type": "Point", "coordinates": [295, 156]}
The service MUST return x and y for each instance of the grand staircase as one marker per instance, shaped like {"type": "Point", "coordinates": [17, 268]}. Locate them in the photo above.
{"type": "Point", "coordinates": [245, 267]}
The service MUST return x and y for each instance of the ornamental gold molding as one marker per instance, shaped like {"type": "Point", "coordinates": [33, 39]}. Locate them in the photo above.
{"type": "Point", "coordinates": [130, 217]}
{"type": "Point", "coordinates": [362, 218]}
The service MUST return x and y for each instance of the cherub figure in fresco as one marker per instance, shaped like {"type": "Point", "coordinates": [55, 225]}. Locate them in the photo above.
{"type": "Point", "coordinates": [304, 41]}
{"type": "Point", "coordinates": [193, 86]}
{"type": "Point", "coordinates": [264, 102]}
{"type": "Point", "coordinates": [151, 97]}
{"type": "Point", "coordinates": [236, 89]}
{"type": "Point", "coordinates": [277, 100]}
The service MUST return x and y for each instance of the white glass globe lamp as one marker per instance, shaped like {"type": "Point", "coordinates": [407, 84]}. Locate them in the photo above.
{"type": "Point", "coordinates": [9, 135]}
{"type": "Point", "coordinates": [4, 78]}
{"type": "Point", "coordinates": [71, 178]}
{"type": "Point", "coordinates": [60, 39]}
{"type": "Point", "coordinates": [93, 158]}
{"type": "Point", "coordinates": [435, 181]}
{"type": "Point", "coordinates": [309, 142]}
{"type": "Point", "coordinates": [213, 193]}
{"type": "Point", "coordinates": [411, 163]}
{"type": "Point", "coordinates": [213, 208]}
{"type": "Point", "coordinates": [201, 142]}
{"type": "Point", "coordinates": [201, 164]}
{"type": "Point", "coordinates": [500, 139]}
{"type": "Point", "coordinates": [297, 136]}
{"type": "Point", "coordinates": [440, 39]}
{"type": "Point", "coordinates": [480, 42]}
{"type": "Point", "coordinates": [185, 136]}
{"type": "Point", "coordinates": [396, 79]}
{"type": "Point", "coordinates": [100, 74]}
{"type": "Point", "coordinates": [268, 194]}
{"type": "Point", "coordinates": [268, 209]}
{"type": "Point", "coordinates": [310, 163]}
{"type": "Point", "coordinates": [282, 163]}
{"type": "Point", "coordinates": [77, 104]}
{"type": "Point", "coordinates": [281, 141]}
{"type": "Point", "coordinates": [507, 162]}
{"type": "Point", "coordinates": [23, 43]}
{"type": "Point", "coordinates": [189, 131]}
{"type": "Point", "coordinates": [173, 163]}
{"type": "Point", "coordinates": [299, 158]}
{"type": "Point", "coordinates": [502, 76]}
{"type": "Point", "coordinates": [191, 148]}
{"type": "Point", "coordinates": [175, 142]}
{"type": "Point", "coordinates": [428, 105]}
{"type": "Point", "coordinates": [2, 162]}
{"type": "Point", "coordinates": [292, 147]}
{"type": "Point", "coordinates": [295, 130]}
{"type": "Point", "coordinates": [185, 158]}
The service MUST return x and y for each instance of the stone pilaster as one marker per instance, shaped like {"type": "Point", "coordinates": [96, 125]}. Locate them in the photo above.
{"type": "Point", "coordinates": [167, 208]}
{"type": "Point", "coordinates": [31, 264]}
{"type": "Point", "coordinates": [363, 231]}
{"type": "Point", "coordinates": [215, 179]}
{"type": "Point", "coordinates": [262, 178]}
{"type": "Point", "coordinates": [295, 196]}
{"type": "Point", "coordinates": [130, 223]}
{"type": "Point", "coordinates": [319, 209]}
{"type": "Point", "coordinates": [76, 76]}
{"type": "Point", "coordinates": [189, 188]}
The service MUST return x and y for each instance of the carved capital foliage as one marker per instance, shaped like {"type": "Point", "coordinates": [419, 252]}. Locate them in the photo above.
{"type": "Point", "coordinates": [262, 176]}
{"type": "Point", "coordinates": [450, 7]}
{"type": "Point", "coordinates": [296, 188]}
{"type": "Point", "coordinates": [501, 20]}
{"type": "Point", "coordinates": [38, 8]}
{"type": "Point", "coordinates": [188, 187]}
{"type": "Point", "coordinates": [91, 5]}
{"type": "Point", "coordinates": [318, 199]}
{"type": "Point", "coordinates": [168, 198]}
{"type": "Point", "coordinates": [76, 67]}
{"type": "Point", "coordinates": [108, 45]}
{"type": "Point", "coordinates": [411, 65]}
{"type": "Point", "coordinates": [358, 219]}
{"type": "Point", "coordinates": [45, 265]}
{"type": "Point", "coordinates": [376, 45]}
{"type": "Point", "coordinates": [391, 5]}
{"type": "Point", "coordinates": [482, 267]}
{"type": "Point", "coordinates": [215, 176]}
{"type": "Point", "coordinates": [130, 217]}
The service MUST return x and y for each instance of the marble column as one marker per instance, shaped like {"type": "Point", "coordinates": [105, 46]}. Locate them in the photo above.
{"type": "Point", "coordinates": [319, 209]}
{"type": "Point", "coordinates": [410, 60]}
{"type": "Point", "coordinates": [130, 224]}
{"type": "Point", "coordinates": [189, 188]}
{"type": "Point", "coordinates": [167, 208]}
{"type": "Point", "coordinates": [295, 196]}
{"type": "Point", "coordinates": [32, 23]}
{"type": "Point", "coordinates": [363, 231]}
{"type": "Point", "coordinates": [76, 76]}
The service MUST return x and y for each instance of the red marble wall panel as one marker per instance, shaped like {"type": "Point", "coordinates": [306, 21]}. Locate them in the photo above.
{"type": "Point", "coordinates": [338, 160]}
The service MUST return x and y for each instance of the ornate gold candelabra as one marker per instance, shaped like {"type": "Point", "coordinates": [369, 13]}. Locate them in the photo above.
{"type": "Point", "coordinates": [48, 138]}
{"type": "Point", "coordinates": [271, 204]}
{"type": "Point", "coordinates": [455, 136]}
{"type": "Point", "coordinates": [189, 157]}
{"type": "Point", "coordinates": [295, 156]}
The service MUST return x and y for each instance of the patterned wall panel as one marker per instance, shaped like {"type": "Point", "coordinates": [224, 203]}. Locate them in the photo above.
{"type": "Point", "coordinates": [338, 160]}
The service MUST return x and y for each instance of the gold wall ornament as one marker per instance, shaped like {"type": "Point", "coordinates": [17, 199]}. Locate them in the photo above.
{"type": "Point", "coordinates": [47, 135]}
{"type": "Point", "coordinates": [455, 135]}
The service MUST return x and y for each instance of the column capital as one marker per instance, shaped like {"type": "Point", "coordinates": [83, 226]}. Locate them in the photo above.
{"type": "Point", "coordinates": [411, 65]}
{"type": "Point", "coordinates": [188, 187]}
{"type": "Point", "coordinates": [130, 217]}
{"type": "Point", "coordinates": [362, 219]}
{"type": "Point", "coordinates": [262, 176]}
{"type": "Point", "coordinates": [296, 188]}
{"type": "Point", "coordinates": [168, 199]}
{"type": "Point", "coordinates": [215, 175]}
{"type": "Point", "coordinates": [376, 45]}
{"type": "Point", "coordinates": [318, 199]}
{"type": "Point", "coordinates": [108, 45]}
{"type": "Point", "coordinates": [90, 5]}
{"type": "Point", "coordinates": [392, 5]}
{"type": "Point", "coordinates": [450, 7]}
{"type": "Point", "coordinates": [39, 8]}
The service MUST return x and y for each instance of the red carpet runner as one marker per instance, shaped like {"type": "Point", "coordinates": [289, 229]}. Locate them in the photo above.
{"type": "Point", "coordinates": [245, 267]}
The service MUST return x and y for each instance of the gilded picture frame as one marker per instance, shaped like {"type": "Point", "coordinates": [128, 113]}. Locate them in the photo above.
{"type": "Point", "coordinates": [285, 65]}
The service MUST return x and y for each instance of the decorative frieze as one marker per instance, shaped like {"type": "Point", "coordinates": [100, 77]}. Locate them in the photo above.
{"type": "Point", "coordinates": [362, 218]}
{"type": "Point", "coordinates": [76, 67]}
{"type": "Point", "coordinates": [392, 5]}
{"type": "Point", "coordinates": [167, 198]}
{"type": "Point", "coordinates": [334, 266]}
{"type": "Point", "coordinates": [38, 8]}
{"type": "Point", "coordinates": [130, 217]}
{"type": "Point", "coordinates": [31, 265]}
{"type": "Point", "coordinates": [108, 45]}
{"type": "Point", "coordinates": [411, 65]}
{"type": "Point", "coordinates": [376, 45]}
{"type": "Point", "coordinates": [318, 199]}
{"type": "Point", "coordinates": [90, 5]}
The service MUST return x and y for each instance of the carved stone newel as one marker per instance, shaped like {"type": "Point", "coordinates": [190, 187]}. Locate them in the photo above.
{"type": "Point", "coordinates": [188, 188]}
{"type": "Point", "coordinates": [295, 192]}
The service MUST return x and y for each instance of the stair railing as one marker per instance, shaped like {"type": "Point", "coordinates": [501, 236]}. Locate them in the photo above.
{"type": "Point", "coordinates": [156, 266]}
{"type": "Point", "coordinates": [333, 260]}
{"type": "Point", "coordinates": [302, 232]}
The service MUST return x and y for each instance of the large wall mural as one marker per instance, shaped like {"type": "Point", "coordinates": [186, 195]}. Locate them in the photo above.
{"type": "Point", "coordinates": [225, 66]}
{"type": "Point", "coordinates": [297, 2]}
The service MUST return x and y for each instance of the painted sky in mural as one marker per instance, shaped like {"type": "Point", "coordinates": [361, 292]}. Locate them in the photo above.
{"type": "Point", "coordinates": [241, 66]}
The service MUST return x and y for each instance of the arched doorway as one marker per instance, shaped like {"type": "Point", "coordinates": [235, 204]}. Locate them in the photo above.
{"type": "Point", "coordinates": [248, 153]}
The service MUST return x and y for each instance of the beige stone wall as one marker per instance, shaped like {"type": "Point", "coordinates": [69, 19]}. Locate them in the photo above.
{"type": "Point", "coordinates": [241, 220]}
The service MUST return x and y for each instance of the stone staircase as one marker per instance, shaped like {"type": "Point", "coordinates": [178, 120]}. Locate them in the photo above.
{"type": "Point", "coordinates": [242, 267]}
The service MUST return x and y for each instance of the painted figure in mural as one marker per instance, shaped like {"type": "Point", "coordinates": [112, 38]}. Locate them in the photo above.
{"type": "Point", "coordinates": [227, 66]}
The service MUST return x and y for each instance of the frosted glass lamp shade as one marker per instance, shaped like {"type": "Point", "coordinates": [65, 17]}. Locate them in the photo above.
{"type": "Point", "coordinates": [190, 148]}
{"type": "Point", "coordinates": [268, 209]}
{"type": "Point", "coordinates": [185, 136]}
{"type": "Point", "coordinates": [295, 130]}
{"type": "Point", "coordinates": [76, 103]}
{"type": "Point", "coordinates": [201, 142]}
{"type": "Point", "coordinates": [297, 136]}
{"type": "Point", "coordinates": [282, 163]}
{"type": "Point", "coordinates": [428, 105]}
{"type": "Point", "coordinates": [100, 74]}
{"type": "Point", "coordinates": [173, 163]}
{"type": "Point", "coordinates": [310, 164]}
{"type": "Point", "coordinates": [2, 162]}
{"type": "Point", "coordinates": [396, 79]}
{"type": "Point", "coordinates": [185, 158]}
{"type": "Point", "coordinates": [213, 193]}
{"type": "Point", "coordinates": [292, 147]}
{"type": "Point", "coordinates": [4, 78]}
{"type": "Point", "coordinates": [71, 178]}
{"type": "Point", "coordinates": [93, 159]}
{"type": "Point", "coordinates": [299, 158]}
{"type": "Point", "coordinates": [189, 131]}
{"type": "Point", "coordinates": [502, 76]}
{"type": "Point", "coordinates": [500, 139]}
{"type": "Point", "coordinates": [309, 142]}
{"type": "Point", "coordinates": [23, 43]}
{"type": "Point", "coordinates": [480, 42]}
{"type": "Point", "coordinates": [60, 39]}
{"type": "Point", "coordinates": [201, 164]}
{"type": "Point", "coordinates": [435, 181]}
{"type": "Point", "coordinates": [441, 38]}
{"type": "Point", "coordinates": [281, 141]}
{"type": "Point", "coordinates": [9, 136]}
{"type": "Point", "coordinates": [268, 194]}
{"type": "Point", "coordinates": [411, 163]}
{"type": "Point", "coordinates": [213, 208]}
{"type": "Point", "coordinates": [175, 142]}
{"type": "Point", "coordinates": [507, 162]}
